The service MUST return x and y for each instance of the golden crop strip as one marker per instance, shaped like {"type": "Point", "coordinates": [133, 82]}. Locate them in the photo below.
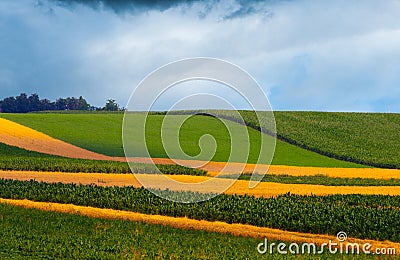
{"type": "Point", "coordinates": [192, 224]}
{"type": "Point", "coordinates": [214, 168]}
{"type": "Point", "coordinates": [269, 189]}
{"type": "Point", "coordinates": [375, 173]}
{"type": "Point", "coordinates": [240, 187]}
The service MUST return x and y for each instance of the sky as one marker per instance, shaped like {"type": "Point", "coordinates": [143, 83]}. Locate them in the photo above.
{"type": "Point", "coordinates": [306, 55]}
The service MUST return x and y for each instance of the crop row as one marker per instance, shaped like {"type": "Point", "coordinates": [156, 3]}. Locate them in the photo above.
{"type": "Point", "coordinates": [361, 216]}
{"type": "Point", "coordinates": [91, 166]}
{"type": "Point", "coordinates": [16, 159]}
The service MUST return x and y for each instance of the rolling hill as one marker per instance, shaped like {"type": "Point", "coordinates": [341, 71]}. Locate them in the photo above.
{"type": "Point", "coordinates": [102, 132]}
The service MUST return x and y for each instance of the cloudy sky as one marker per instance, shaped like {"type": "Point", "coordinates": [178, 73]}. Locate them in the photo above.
{"type": "Point", "coordinates": [306, 55]}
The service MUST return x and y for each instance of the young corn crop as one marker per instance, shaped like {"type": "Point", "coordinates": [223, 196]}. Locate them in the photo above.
{"type": "Point", "coordinates": [361, 216]}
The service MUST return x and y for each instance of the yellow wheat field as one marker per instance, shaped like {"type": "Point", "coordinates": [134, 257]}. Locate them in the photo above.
{"type": "Point", "coordinates": [240, 187]}
{"type": "Point", "coordinates": [191, 224]}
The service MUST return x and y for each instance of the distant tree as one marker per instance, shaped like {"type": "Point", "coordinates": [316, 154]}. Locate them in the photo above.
{"type": "Point", "coordinates": [82, 104]}
{"type": "Point", "coordinates": [22, 103]}
{"type": "Point", "coordinates": [60, 104]}
{"type": "Point", "coordinates": [47, 105]}
{"type": "Point", "coordinates": [111, 105]}
{"type": "Point", "coordinates": [93, 108]}
{"type": "Point", "coordinates": [71, 103]}
{"type": "Point", "coordinates": [8, 105]}
{"type": "Point", "coordinates": [34, 103]}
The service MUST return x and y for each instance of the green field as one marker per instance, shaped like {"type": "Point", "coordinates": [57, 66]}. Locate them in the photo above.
{"type": "Point", "coordinates": [102, 133]}
{"type": "Point", "coordinates": [48, 235]}
{"type": "Point", "coordinates": [367, 138]}
{"type": "Point", "coordinates": [28, 233]}
{"type": "Point", "coordinates": [99, 132]}
{"type": "Point", "coordinates": [361, 216]}
{"type": "Point", "coordinates": [38, 234]}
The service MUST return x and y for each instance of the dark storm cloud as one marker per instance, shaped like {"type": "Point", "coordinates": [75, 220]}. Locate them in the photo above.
{"type": "Point", "coordinates": [126, 5]}
{"type": "Point", "coordinates": [244, 7]}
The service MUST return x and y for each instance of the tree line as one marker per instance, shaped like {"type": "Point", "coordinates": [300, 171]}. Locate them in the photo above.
{"type": "Point", "coordinates": [24, 104]}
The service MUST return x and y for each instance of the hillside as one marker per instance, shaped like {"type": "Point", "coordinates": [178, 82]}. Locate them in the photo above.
{"type": "Point", "coordinates": [367, 138]}
{"type": "Point", "coordinates": [102, 133]}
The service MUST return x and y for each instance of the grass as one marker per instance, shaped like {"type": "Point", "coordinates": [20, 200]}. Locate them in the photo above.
{"type": "Point", "coordinates": [366, 138]}
{"type": "Point", "coordinates": [97, 132]}
{"type": "Point", "coordinates": [102, 133]}
{"type": "Point", "coordinates": [39, 234]}
{"type": "Point", "coordinates": [363, 138]}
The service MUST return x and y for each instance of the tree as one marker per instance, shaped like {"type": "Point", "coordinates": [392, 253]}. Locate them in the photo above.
{"type": "Point", "coordinates": [71, 103]}
{"type": "Point", "coordinates": [34, 103]}
{"type": "Point", "coordinates": [60, 104]}
{"type": "Point", "coordinates": [22, 103]}
{"type": "Point", "coordinates": [82, 104]}
{"type": "Point", "coordinates": [47, 105]}
{"type": "Point", "coordinates": [111, 105]}
{"type": "Point", "coordinates": [8, 105]}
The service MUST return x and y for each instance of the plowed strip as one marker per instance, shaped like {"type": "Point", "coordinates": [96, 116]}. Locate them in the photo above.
{"type": "Point", "coordinates": [191, 224]}
{"type": "Point", "coordinates": [24, 137]}
{"type": "Point", "coordinates": [240, 187]}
